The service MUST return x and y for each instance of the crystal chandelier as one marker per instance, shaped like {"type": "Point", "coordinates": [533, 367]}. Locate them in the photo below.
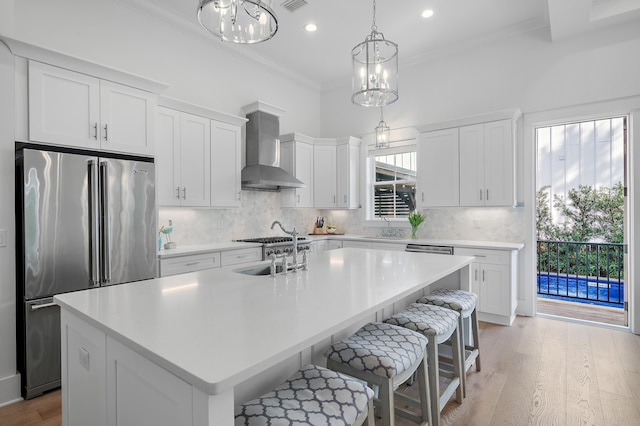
{"type": "Point", "coordinates": [375, 69]}
{"type": "Point", "coordinates": [382, 133]}
{"type": "Point", "coordinates": [239, 21]}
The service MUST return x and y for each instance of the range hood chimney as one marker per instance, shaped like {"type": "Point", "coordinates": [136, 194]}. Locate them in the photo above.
{"type": "Point", "coordinates": [262, 170]}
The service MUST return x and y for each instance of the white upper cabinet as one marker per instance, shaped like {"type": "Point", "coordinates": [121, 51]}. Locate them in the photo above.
{"type": "Point", "coordinates": [296, 158]}
{"type": "Point", "coordinates": [438, 180]}
{"type": "Point", "coordinates": [75, 109]}
{"type": "Point", "coordinates": [226, 164]}
{"type": "Point", "coordinates": [325, 176]}
{"type": "Point", "coordinates": [126, 119]}
{"type": "Point", "coordinates": [183, 159]}
{"type": "Point", "coordinates": [487, 164]}
{"type": "Point", "coordinates": [348, 172]}
{"type": "Point", "coordinates": [336, 171]}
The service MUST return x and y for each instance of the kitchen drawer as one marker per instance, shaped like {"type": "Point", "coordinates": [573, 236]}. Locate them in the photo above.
{"type": "Point", "coordinates": [498, 257]}
{"type": "Point", "coordinates": [184, 264]}
{"type": "Point", "coordinates": [235, 257]}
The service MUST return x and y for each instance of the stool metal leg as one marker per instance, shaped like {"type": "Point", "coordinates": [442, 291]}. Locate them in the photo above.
{"type": "Point", "coordinates": [476, 337]}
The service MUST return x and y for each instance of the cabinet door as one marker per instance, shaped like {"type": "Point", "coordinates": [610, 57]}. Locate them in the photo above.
{"type": "Point", "coordinates": [438, 169]}
{"type": "Point", "coordinates": [324, 176]}
{"type": "Point", "coordinates": [347, 176]}
{"type": "Point", "coordinates": [495, 291]}
{"type": "Point", "coordinates": [168, 157]}
{"type": "Point", "coordinates": [195, 153]}
{"type": "Point", "coordinates": [226, 165]}
{"type": "Point", "coordinates": [304, 172]}
{"type": "Point", "coordinates": [472, 166]}
{"type": "Point", "coordinates": [64, 107]}
{"type": "Point", "coordinates": [126, 119]}
{"type": "Point", "coordinates": [499, 164]}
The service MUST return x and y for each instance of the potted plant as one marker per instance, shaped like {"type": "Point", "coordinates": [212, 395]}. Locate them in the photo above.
{"type": "Point", "coordinates": [415, 219]}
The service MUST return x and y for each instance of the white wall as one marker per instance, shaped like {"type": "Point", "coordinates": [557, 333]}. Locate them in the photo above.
{"type": "Point", "coordinates": [9, 381]}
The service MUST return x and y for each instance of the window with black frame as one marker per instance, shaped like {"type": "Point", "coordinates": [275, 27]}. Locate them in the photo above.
{"type": "Point", "coordinates": [394, 185]}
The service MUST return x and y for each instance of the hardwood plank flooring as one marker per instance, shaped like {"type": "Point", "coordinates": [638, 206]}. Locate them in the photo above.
{"type": "Point", "coordinates": [582, 311]}
{"type": "Point", "coordinates": [539, 371]}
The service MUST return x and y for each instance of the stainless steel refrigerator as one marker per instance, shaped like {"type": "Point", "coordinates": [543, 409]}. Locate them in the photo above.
{"type": "Point", "coordinates": [84, 220]}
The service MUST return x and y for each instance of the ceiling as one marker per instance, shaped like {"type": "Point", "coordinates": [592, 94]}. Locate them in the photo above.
{"type": "Point", "coordinates": [323, 58]}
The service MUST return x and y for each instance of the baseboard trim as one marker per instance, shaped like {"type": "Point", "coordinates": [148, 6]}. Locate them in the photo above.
{"type": "Point", "coordinates": [10, 390]}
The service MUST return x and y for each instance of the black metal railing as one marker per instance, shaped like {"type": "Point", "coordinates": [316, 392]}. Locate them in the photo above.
{"type": "Point", "coordinates": [589, 272]}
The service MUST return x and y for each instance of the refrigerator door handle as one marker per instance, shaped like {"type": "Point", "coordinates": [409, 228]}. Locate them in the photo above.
{"type": "Point", "coordinates": [94, 231]}
{"type": "Point", "coordinates": [104, 215]}
{"type": "Point", "coordinates": [43, 306]}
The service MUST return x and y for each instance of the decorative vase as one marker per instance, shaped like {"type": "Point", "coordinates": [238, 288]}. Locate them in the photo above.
{"type": "Point", "coordinates": [414, 231]}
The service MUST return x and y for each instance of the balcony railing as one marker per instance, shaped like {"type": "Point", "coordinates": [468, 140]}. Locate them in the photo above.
{"type": "Point", "coordinates": [585, 272]}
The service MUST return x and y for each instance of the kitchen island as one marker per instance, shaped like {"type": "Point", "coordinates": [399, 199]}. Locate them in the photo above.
{"type": "Point", "coordinates": [185, 349]}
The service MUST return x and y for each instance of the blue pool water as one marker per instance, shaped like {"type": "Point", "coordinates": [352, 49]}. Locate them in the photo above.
{"type": "Point", "coordinates": [581, 290]}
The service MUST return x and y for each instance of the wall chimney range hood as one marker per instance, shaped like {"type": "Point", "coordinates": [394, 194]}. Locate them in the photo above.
{"type": "Point", "coordinates": [262, 170]}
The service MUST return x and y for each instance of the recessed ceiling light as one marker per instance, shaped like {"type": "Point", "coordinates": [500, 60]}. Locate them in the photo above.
{"type": "Point", "coordinates": [310, 27]}
{"type": "Point", "coordinates": [427, 13]}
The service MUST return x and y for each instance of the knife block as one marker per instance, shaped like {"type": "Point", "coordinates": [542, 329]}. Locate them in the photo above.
{"type": "Point", "coordinates": [319, 231]}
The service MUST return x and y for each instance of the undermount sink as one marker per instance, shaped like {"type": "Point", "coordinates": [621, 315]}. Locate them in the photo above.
{"type": "Point", "coordinates": [259, 270]}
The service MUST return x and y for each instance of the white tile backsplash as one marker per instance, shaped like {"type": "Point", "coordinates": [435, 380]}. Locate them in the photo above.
{"type": "Point", "coordinates": [259, 209]}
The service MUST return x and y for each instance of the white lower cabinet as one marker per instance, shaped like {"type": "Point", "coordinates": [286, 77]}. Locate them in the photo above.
{"type": "Point", "coordinates": [190, 263]}
{"type": "Point", "coordinates": [493, 277]}
{"type": "Point", "coordinates": [140, 392]}
{"type": "Point", "coordinates": [213, 259]}
{"type": "Point", "coordinates": [236, 257]}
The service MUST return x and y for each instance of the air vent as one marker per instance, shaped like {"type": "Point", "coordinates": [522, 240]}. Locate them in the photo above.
{"type": "Point", "coordinates": [293, 5]}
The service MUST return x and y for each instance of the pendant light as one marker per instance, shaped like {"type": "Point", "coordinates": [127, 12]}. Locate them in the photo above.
{"type": "Point", "coordinates": [239, 21]}
{"type": "Point", "coordinates": [382, 133]}
{"type": "Point", "coordinates": [375, 69]}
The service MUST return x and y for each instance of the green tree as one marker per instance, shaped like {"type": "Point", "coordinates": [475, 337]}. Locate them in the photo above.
{"type": "Point", "coordinates": [544, 222]}
{"type": "Point", "coordinates": [590, 214]}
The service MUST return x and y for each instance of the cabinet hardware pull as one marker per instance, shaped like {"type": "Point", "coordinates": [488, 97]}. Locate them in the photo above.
{"type": "Point", "coordinates": [178, 192]}
{"type": "Point", "coordinates": [476, 275]}
{"type": "Point", "coordinates": [239, 196]}
{"type": "Point", "coordinates": [334, 199]}
{"type": "Point", "coordinates": [298, 198]}
{"type": "Point", "coordinates": [95, 131]}
{"type": "Point", "coordinates": [184, 193]}
{"type": "Point", "coordinates": [487, 195]}
{"type": "Point", "coordinates": [423, 197]}
{"type": "Point", "coordinates": [192, 264]}
{"type": "Point", "coordinates": [483, 276]}
{"type": "Point", "coordinates": [345, 198]}
{"type": "Point", "coordinates": [106, 132]}
{"type": "Point", "coordinates": [481, 195]}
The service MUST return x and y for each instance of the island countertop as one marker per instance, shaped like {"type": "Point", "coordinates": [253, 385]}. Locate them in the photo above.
{"type": "Point", "coordinates": [216, 328]}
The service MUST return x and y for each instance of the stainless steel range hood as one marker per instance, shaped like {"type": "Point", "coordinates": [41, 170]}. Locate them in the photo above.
{"type": "Point", "coordinates": [262, 170]}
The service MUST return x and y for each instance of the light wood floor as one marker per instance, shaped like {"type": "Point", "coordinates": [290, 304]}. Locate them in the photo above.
{"type": "Point", "coordinates": [537, 372]}
{"type": "Point", "coordinates": [603, 314]}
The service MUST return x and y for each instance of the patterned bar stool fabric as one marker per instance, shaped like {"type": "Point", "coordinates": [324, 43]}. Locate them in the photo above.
{"type": "Point", "coordinates": [463, 302]}
{"type": "Point", "coordinates": [439, 325]}
{"type": "Point", "coordinates": [385, 356]}
{"type": "Point", "coordinates": [312, 396]}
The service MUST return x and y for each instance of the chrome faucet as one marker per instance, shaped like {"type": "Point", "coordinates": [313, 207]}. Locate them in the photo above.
{"type": "Point", "coordinates": [293, 234]}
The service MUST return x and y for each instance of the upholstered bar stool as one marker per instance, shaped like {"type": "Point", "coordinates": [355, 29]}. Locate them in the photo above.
{"type": "Point", "coordinates": [463, 302]}
{"type": "Point", "coordinates": [385, 356]}
{"type": "Point", "coordinates": [439, 325]}
{"type": "Point", "coordinates": [312, 396]}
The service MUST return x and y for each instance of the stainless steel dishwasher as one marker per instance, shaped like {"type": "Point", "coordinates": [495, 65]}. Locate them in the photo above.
{"type": "Point", "coordinates": [428, 248]}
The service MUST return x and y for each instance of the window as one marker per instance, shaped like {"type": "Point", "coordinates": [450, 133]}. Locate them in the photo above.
{"type": "Point", "coordinates": [392, 183]}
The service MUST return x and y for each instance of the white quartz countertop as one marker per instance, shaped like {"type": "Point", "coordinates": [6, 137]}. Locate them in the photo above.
{"type": "Point", "coordinates": [496, 245]}
{"type": "Point", "coordinates": [217, 328]}
{"type": "Point", "coordinates": [204, 248]}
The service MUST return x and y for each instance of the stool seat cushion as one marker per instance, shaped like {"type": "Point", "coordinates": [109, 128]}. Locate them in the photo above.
{"type": "Point", "coordinates": [381, 349]}
{"type": "Point", "coordinates": [429, 320]}
{"type": "Point", "coordinates": [312, 396]}
{"type": "Point", "coordinates": [458, 300]}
